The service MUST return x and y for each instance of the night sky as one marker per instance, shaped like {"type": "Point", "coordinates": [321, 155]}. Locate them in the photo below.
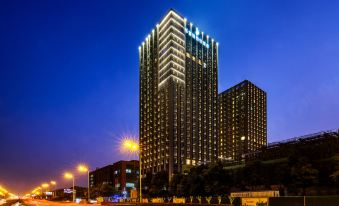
{"type": "Point", "coordinates": [69, 75]}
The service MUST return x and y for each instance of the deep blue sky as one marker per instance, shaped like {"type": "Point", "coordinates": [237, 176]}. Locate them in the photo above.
{"type": "Point", "coordinates": [69, 73]}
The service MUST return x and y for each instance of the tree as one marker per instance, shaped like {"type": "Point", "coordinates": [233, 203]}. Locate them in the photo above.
{"type": "Point", "coordinates": [159, 184]}
{"type": "Point", "coordinates": [174, 186]}
{"type": "Point", "coordinates": [335, 174]}
{"type": "Point", "coordinates": [146, 184]}
{"type": "Point", "coordinates": [217, 180]}
{"type": "Point", "coordinates": [196, 181]}
{"type": "Point", "coordinates": [106, 190]}
{"type": "Point", "coordinates": [304, 175]}
{"type": "Point", "coordinates": [103, 190]}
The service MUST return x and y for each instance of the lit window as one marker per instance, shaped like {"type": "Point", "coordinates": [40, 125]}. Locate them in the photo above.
{"type": "Point", "coordinates": [128, 184]}
{"type": "Point", "coordinates": [128, 171]}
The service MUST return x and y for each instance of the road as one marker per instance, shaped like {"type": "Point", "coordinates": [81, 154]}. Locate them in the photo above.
{"type": "Point", "coordinates": [9, 203]}
{"type": "Point", "coordinates": [35, 202]}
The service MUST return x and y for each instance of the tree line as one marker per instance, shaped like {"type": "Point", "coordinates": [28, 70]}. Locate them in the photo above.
{"type": "Point", "coordinates": [310, 170]}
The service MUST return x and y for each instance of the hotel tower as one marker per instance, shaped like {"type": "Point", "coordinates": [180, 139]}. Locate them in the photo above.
{"type": "Point", "coordinates": [178, 96]}
{"type": "Point", "coordinates": [243, 121]}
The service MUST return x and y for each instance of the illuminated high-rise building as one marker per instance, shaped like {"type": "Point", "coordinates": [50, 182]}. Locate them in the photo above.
{"type": "Point", "coordinates": [242, 121]}
{"type": "Point", "coordinates": [178, 96]}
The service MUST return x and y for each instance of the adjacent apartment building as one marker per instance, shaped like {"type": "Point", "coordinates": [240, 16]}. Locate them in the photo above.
{"type": "Point", "coordinates": [242, 121]}
{"type": "Point", "coordinates": [178, 96]}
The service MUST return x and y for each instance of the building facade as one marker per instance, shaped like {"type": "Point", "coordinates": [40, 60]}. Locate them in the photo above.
{"type": "Point", "coordinates": [242, 121]}
{"type": "Point", "coordinates": [178, 96]}
{"type": "Point", "coordinates": [122, 175]}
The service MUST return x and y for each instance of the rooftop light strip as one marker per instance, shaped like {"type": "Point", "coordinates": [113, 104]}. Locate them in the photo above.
{"type": "Point", "coordinates": [175, 75]}
{"type": "Point", "coordinates": [169, 14]}
{"type": "Point", "coordinates": [178, 78]}
{"type": "Point", "coordinates": [170, 63]}
{"type": "Point", "coordinates": [164, 60]}
{"type": "Point", "coordinates": [170, 35]}
{"type": "Point", "coordinates": [173, 63]}
{"type": "Point", "coordinates": [180, 72]}
{"type": "Point", "coordinates": [173, 48]}
{"type": "Point", "coordinates": [163, 81]}
{"type": "Point", "coordinates": [164, 47]}
{"type": "Point", "coordinates": [172, 69]}
{"type": "Point", "coordinates": [165, 33]}
{"type": "Point", "coordinates": [169, 42]}
{"type": "Point", "coordinates": [170, 21]}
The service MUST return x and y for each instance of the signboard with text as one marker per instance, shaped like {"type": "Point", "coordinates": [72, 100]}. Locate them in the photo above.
{"type": "Point", "coordinates": [252, 201]}
{"type": "Point", "coordinates": [268, 193]}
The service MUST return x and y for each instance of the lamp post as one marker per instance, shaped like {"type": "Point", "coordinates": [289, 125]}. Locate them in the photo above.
{"type": "Point", "coordinates": [132, 146]}
{"type": "Point", "coordinates": [45, 186]}
{"type": "Point", "coordinates": [53, 183]}
{"type": "Point", "coordinates": [68, 175]}
{"type": "Point", "coordinates": [84, 169]}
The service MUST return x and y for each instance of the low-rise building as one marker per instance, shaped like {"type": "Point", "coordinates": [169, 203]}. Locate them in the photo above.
{"type": "Point", "coordinates": [122, 175]}
{"type": "Point", "coordinates": [326, 144]}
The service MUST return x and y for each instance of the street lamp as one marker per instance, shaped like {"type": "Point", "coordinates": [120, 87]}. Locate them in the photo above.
{"type": "Point", "coordinates": [132, 146]}
{"type": "Point", "coordinates": [84, 169]}
{"type": "Point", "coordinates": [53, 183]}
{"type": "Point", "coordinates": [36, 191]}
{"type": "Point", "coordinates": [68, 175]}
{"type": "Point", "coordinates": [45, 186]}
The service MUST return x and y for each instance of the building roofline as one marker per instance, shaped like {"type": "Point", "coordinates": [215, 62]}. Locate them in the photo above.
{"type": "Point", "coordinates": [177, 13]}
{"type": "Point", "coordinates": [238, 84]}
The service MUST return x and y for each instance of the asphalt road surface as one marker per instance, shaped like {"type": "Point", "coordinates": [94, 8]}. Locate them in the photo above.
{"type": "Point", "coordinates": [35, 202]}
{"type": "Point", "coordinates": [13, 203]}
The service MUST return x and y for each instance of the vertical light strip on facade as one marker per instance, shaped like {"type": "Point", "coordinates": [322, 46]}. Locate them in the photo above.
{"type": "Point", "coordinates": [171, 47]}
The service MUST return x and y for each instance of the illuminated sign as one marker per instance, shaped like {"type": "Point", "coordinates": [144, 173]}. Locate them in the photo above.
{"type": "Point", "coordinates": [196, 37]}
{"type": "Point", "coordinates": [269, 193]}
{"type": "Point", "coordinates": [248, 201]}
{"type": "Point", "coordinates": [68, 191]}
{"type": "Point", "coordinates": [48, 193]}
{"type": "Point", "coordinates": [128, 184]}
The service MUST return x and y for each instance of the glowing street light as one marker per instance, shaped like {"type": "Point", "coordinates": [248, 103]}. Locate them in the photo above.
{"type": "Point", "coordinates": [36, 191]}
{"type": "Point", "coordinates": [53, 183]}
{"type": "Point", "coordinates": [131, 146]}
{"type": "Point", "coordinates": [3, 190]}
{"type": "Point", "coordinates": [68, 175]}
{"type": "Point", "coordinates": [84, 169]}
{"type": "Point", "coordinates": [45, 185]}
